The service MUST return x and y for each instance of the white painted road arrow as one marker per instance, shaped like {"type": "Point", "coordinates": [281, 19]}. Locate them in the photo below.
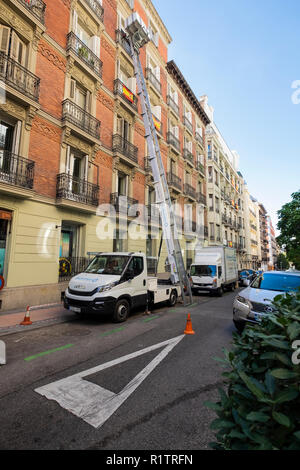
{"type": "Point", "coordinates": [93, 403]}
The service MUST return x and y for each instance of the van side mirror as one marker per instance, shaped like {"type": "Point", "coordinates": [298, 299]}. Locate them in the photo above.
{"type": "Point", "coordinates": [246, 282]}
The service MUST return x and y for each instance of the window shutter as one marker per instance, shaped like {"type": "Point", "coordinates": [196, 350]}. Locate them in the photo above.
{"type": "Point", "coordinates": [88, 101]}
{"type": "Point", "coordinates": [14, 50]}
{"type": "Point", "coordinates": [72, 89]}
{"type": "Point", "coordinates": [75, 21]}
{"type": "Point", "coordinates": [95, 45]}
{"type": "Point", "coordinates": [4, 38]}
{"type": "Point", "coordinates": [157, 72]}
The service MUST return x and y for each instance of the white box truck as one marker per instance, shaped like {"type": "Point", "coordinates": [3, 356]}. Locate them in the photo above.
{"type": "Point", "coordinates": [215, 269]}
{"type": "Point", "coordinates": [114, 283]}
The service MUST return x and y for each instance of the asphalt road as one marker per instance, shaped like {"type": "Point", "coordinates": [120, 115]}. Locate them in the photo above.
{"type": "Point", "coordinates": [161, 408]}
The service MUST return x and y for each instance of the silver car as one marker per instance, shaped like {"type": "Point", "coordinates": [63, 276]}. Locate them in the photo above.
{"type": "Point", "coordinates": [254, 302]}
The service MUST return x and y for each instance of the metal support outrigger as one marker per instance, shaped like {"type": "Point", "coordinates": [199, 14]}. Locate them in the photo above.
{"type": "Point", "coordinates": [137, 35]}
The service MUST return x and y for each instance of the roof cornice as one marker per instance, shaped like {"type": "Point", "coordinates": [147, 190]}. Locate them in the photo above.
{"type": "Point", "coordinates": [176, 74]}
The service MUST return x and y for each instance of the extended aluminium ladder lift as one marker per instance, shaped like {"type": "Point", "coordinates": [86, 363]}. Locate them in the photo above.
{"type": "Point", "coordinates": [138, 36]}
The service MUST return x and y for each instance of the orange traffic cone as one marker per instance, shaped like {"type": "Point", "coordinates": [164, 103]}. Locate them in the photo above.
{"type": "Point", "coordinates": [26, 320]}
{"type": "Point", "coordinates": [189, 329]}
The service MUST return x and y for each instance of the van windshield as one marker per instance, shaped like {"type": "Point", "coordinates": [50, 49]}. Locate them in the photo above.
{"type": "Point", "coordinates": [107, 264]}
{"type": "Point", "coordinates": [203, 270]}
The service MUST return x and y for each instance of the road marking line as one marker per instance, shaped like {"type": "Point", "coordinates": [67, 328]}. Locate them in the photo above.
{"type": "Point", "coordinates": [110, 332]}
{"type": "Point", "coordinates": [95, 404]}
{"type": "Point", "coordinates": [30, 358]}
{"type": "Point", "coordinates": [150, 318]}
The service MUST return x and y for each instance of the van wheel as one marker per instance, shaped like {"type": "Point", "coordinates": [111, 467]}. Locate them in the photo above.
{"type": "Point", "coordinates": [121, 312]}
{"type": "Point", "coordinates": [219, 292]}
{"type": "Point", "coordinates": [173, 298]}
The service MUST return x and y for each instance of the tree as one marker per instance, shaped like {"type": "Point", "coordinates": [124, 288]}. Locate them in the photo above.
{"type": "Point", "coordinates": [282, 262]}
{"type": "Point", "coordinates": [289, 226]}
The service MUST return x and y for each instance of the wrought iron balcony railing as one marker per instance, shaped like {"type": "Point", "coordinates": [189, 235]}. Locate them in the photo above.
{"type": "Point", "coordinates": [122, 90]}
{"type": "Point", "coordinates": [36, 7]}
{"type": "Point", "coordinates": [122, 203]}
{"type": "Point", "coordinates": [79, 117]}
{"type": "Point", "coordinates": [199, 138]}
{"type": "Point", "coordinates": [120, 144]}
{"type": "Point", "coordinates": [70, 266]}
{"type": "Point", "coordinates": [201, 198]}
{"type": "Point", "coordinates": [16, 170]}
{"type": "Point", "coordinates": [174, 180]}
{"type": "Point", "coordinates": [189, 191]}
{"type": "Point", "coordinates": [84, 53]}
{"type": "Point", "coordinates": [18, 77]}
{"type": "Point", "coordinates": [153, 80]}
{"type": "Point", "coordinates": [187, 155]}
{"type": "Point", "coordinates": [200, 168]}
{"type": "Point", "coordinates": [171, 139]}
{"type": "Point", "coordinates": [77, 190]}
{"type": "Point", "coordinates": [97, 8]}
{"type": "Point", "coordinates": [121, 39]}
{"type": "Point", "coordinates": [188, 124]}
{"type": "Point", "coordinates": [173, 105]}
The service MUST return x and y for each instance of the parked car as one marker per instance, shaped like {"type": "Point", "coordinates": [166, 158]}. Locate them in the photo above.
{"type": "Point", "coordinates": [244, 275]}
{"type": "Point", "coordinates": [254, 302]}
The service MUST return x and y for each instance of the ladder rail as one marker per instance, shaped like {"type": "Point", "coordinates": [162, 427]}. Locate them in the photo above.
{"type": "Point", "coordinates": [163, 198]}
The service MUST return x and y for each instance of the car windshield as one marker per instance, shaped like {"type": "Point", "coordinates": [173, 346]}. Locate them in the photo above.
{"type": "Point", "coordinates": [277, 282]}
{"type": "Point", "coordinates": [107, 264]}
{"type": "Point", "coordinates": [203, 270]}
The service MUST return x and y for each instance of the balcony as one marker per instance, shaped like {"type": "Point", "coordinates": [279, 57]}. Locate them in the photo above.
{"type": "Point", "coordinates": [173, 105]}
{"type": "Point", "coordinates": [199, 138]}
{"type": "Point", "coordinates": [90, 59]}
{"type": "Point", "coordinates": [125, 148]}
{"type": "Point", "coordinates": [19, 78]}
{"type": "Point", "coordinates": [77, 116]}
{"type": "Point", "coordinates": [127, 95]}
{"type": "Point", "coordinates": [200, 168]}
{"type": "Point", "coordinates": [15, 172]}
{"type": "Point", "coordinates": [36, 7]}
{"type": "Point", "coordinates": [97, 8]}
{"type": "Point", "coordinates": [172, 140]}
{"type": "Point", "coordinates": [201, 198]}
{"type": "Point", "coordinates": [189, 191]}
{"type": "Point", "coordinates": [121, 39]}
{"type": "Point", "coordinates": [174, 181]}
{"type": "Point", "coordinates": [153, 80]}
{"type": "Point", "coordinates": [122, 203]}
{"type": "Point", "coordinates": [188, 156]}
{"type": "Point", "coordinates": [188, 124]}
{"type": "Point", "coordinates": [76, 190]}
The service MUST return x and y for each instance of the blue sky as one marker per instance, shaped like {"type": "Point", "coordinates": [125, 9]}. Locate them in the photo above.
{"type": "Point", "coordinates": [245, 56]}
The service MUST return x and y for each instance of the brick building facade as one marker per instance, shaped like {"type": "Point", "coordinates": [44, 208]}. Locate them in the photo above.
{"type": "Point", "coordinates": [72, 137]}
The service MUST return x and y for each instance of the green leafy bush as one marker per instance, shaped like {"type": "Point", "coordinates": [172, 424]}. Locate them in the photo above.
{"type": "Point", "coordinates": [260, 409]}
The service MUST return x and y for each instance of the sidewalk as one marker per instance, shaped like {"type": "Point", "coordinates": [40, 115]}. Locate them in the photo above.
{"type": "Point", "coordinates": [39, 315]}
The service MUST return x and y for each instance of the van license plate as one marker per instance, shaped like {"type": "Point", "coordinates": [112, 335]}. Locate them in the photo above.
{"type": "Point", "coordinates": [75, 309]}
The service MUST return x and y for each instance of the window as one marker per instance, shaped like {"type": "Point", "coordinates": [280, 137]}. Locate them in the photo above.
{"type": "Point", "coordinates": [108, 264]}
{"type": "Point", "coordinates": [80, 96]}
{"type": "Point", "coordinates": [124, 128]}
{"type": "Point", "coordinates": [12, 45]}
{"type": "Point", "coordinates": [277, 282]}
{"type": "Point", "coordinates": [136, 266]}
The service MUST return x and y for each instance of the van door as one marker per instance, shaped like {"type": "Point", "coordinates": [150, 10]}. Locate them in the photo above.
{"type": "Point", "coordinates": [137, 286]}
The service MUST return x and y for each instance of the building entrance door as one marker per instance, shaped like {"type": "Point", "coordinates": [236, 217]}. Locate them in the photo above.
{"type": "Point", "coordinates": [5, 218]}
